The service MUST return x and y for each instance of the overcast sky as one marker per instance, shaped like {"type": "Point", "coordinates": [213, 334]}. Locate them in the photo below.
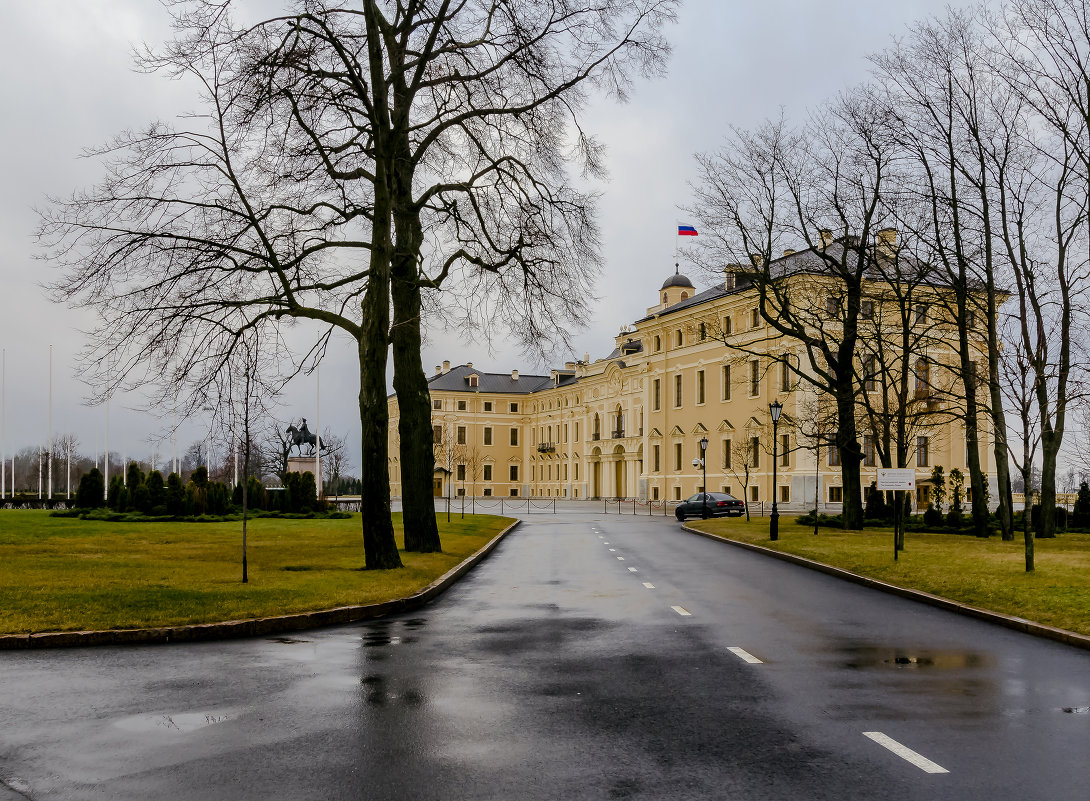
{"type": "Point", "coordinates": [68, 84]}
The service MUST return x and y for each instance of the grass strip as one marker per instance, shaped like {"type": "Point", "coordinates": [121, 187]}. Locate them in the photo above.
{"type": "Point", "coordinates": [986, 573]}
{"type": "Point", "coordinates": [64, 574]}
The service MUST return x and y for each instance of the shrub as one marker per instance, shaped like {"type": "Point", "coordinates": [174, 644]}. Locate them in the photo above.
{"type": "Point", "coordinates": [156, 490]}
{"type": "Point", "coordinates": [89, 494]}
{"type": "Point", "coordinates": [932, 517]}
{"type": "Point", "coordinates": [1038, 520]}
{"type": "Point", "coordinates": [876, 508]}
{"type": "Point", "coordinates": [1081, 515]}
{"type": "Point", "coordinates": [175, 495]}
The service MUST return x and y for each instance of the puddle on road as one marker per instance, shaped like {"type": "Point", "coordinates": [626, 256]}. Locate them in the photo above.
{"type": "Point", "coordinates": [177, 722]}
{"type": "Point", "coordinates": [866, 657]}
{"type": "Point", "coordinates": [1077, 710]}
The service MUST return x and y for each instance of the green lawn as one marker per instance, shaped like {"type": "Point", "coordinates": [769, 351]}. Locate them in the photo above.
{"type": "Point", "coordinates": [987, 573]}
{"type": "Point", "coordinates": [66, 574]}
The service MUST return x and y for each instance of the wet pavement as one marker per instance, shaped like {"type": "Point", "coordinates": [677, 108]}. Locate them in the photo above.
{"type": "Point", "coordinates": [591, 656]}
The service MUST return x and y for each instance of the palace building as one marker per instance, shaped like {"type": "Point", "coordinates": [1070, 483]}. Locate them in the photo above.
{"type": "Point", "coordinates": [630, 424]}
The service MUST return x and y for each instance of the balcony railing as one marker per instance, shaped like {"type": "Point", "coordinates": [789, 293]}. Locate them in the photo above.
{"type": "Point", "coordinates": [595, 436]}
{"type": "Point", "coordinates": [546, 447]}
{"type": "Point", "coordinates": [618, 433]}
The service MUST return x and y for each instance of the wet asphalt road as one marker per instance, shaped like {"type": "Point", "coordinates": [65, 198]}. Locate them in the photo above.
{"type": "Point", "coordinates": [563, 667]}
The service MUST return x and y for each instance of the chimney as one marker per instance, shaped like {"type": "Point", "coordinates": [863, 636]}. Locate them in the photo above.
{"type": "Point", "coordinates": [438, 370]}
{"type": "Point", "coordinates": [887, 241]}
{"type": "Point", "coordinates": [514, 375]}
{"type": "Point", "coordinates": [569, 365]}
{"type": "Point", "coordinates": [469, 365]}
{"type": "Point", "coordinates": [586, 358]}
{"type": "Point", "coordinates": [446, 365]}
{"type": "Point", "coordinates": [826, 237]}
{"type": "Point", "coordinates": [731, 275]}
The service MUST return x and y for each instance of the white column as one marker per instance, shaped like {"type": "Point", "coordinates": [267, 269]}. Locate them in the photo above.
{"type": "Point", "coordinates": [3, 421]}
{"type": "Point", "coordinates": [106, 459]}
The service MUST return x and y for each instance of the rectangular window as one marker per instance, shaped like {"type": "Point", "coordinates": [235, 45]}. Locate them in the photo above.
{"type": "Point", "coordinates": [785, 494]}
{"type": "Point", "coordinates": [514, 472]}
{"type": "Point", "coordinates": [656, 389]}
{"type": "Point", "coordinates": [460, 472]}
{"type": "Point", "coordinates": [488, 472]}
{"type": "Point", "coordinates": [868, 450]}
{"type": "Point", "coordinates": [677, 456]}
{"type": "Point", "coordinates": [565, 471]}
{"type": "Point", "coordinates": [727, 444]}
{"type": "Point", "coordinates": [654, 493]}
{"type": "Point", "coordinates": [836, 494]}
{"type": "Point", "coordinates": [703, 332]}
{"type": "Point", "coordinates": [488, 406]}
{"type": "Point", "coordinates": [436, 433]}
{"type": "Point", "coordinates": [488, 435]}
{"type": "Point", "coordinates": [834, 455]}
{"type": "Point", "coordinates": [565, 432]}
{"type": "Point", "coordinates": [727, 326]}
{"type": "Point", "coordinates": [785, 450]}
{"type": "Point", "coordinates": [437, 404]}
{"type": "Point", "coordinates": [677, 391]}
{"type": "Point", "coordinates": [700, 386]}
{"type": "Point", "coordinates": [922, 456]}
{"type": "Point", "coordinates": [866, 309]}
{"type": "Point", "coordinates": [785, 377]}
{"type": "Point", "coordinates": [514, 436]}
{"type": "Point", "coordinates": [726, 382]}
{"type": "Point", "coordinates": [754, 318]}
{"type": "Point", "coordinates": [655, 458]}
{"type": "Point", "coordinates": [461, 435]}
{"type": "Point", "coordinates": [832, 306]}
{"type": "Point", "coordinates": [576, 439]}
{"type": "Point", "coordinates": [677, 493]}
{"type": "Point", "coordinates": [576, 475]}
{"type": "Point", "coordinates": [461, 490]}
{"type": "Point", "coordinates": [488, 492]}
{"type": "Point", "coordinates": [921, 313]}
{"type": "Point", "coordinates": [754, 378]}
{"type": "Point", "coordinates": [870, 384]}
{"type": "Point", "coordinates": [514, 408]}
{"type": "Point", "coordinates": [514, 492]}
{"type": "Point", "coordinates": [754, 494]}
{"type": "Point", "coordinates": [461, 406]}
{"type": "Point", "coordinates": [754, 452]}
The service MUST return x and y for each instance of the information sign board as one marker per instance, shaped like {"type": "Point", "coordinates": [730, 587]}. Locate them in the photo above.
{"type": "Point", "coordinates": [896, 478]}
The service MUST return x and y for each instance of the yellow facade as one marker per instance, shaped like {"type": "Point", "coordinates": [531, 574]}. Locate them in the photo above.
{"type": "Point", "coordinates": [629, 425]}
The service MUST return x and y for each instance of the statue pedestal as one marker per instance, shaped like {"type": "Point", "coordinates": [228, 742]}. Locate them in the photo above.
{"type": "Point", "coordinates": [301, 464]}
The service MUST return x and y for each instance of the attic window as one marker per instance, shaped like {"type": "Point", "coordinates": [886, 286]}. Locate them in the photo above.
{"type": "Point", "coordinates": [474, 380]}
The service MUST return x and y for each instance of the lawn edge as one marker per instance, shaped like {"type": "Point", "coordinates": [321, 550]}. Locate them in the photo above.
{"type": "Point", "coordinates": [998, 618]}
{"type": "Point", "coordinates": [254, 627]}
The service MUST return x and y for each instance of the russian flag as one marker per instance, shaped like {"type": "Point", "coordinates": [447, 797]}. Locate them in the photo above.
{"type": "Point", "coordinates": [686, 230]}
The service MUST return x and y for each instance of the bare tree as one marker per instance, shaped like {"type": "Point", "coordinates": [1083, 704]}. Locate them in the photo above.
{"type": "Point", "coordinates": [335, 459]}
{"type": "Point", "coordinates": [822, 185]}
{"type": "Point", "coordinates": [1018, 390]}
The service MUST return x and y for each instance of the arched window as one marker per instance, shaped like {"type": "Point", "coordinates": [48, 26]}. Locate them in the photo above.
{"type": "Point", "coordinates": [678, 338]}
{"type": "Point", "coordinates": [684, 295]}
{"type": "Point", "coordinates": [665, 299]}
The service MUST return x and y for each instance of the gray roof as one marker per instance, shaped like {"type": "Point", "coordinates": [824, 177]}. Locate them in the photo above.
{"type": "Point", "coordinates": [457, 380]}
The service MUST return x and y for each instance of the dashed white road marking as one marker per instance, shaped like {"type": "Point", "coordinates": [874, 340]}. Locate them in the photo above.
{"type": "Point", "coordinates": [681, 610]}
{"type": "Point", "coordinates": [620, 558]}
{"type": "Point", "coordinates": [905, 753]}
{"type": "Point", "coordinates": [612, 550]}
{"type": "Point", "coordinates": [633, 570]}
{"type": "Point", "coordinates": [605, 543]}
{"type": "Point", "coordinates": [745, 655]}
{"type": "Point", "coordinates": [649, 585]}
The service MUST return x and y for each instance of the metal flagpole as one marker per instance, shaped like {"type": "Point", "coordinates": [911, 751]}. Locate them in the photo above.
{"type": "Point", "coordinates": [3, 423]}
{"type": "Point", "coordinates": [50, 485]}
{"type": "Point", "coordinates": [68, 471]}
{"type": "Point", "coordinates": [106, 454]}
{"type": "Point", "coordinates": [39, 472]}
{"type": "Point", "coordinates": [318, 432]}
{"type": "Point", "coordinates": [174, 439]}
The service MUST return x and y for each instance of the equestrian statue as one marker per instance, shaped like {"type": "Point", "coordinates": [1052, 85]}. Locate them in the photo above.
{"type": "Point", "coordinates": [303, 436]}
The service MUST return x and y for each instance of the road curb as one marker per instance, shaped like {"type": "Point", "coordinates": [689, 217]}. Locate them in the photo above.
{"type": "Point", "coordinates": [1008, 621]}
{"type": "Point", "coordinates": [254, 627]}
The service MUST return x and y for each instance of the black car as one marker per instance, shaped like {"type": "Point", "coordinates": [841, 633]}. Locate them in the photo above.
{"type": "Point", "coordinates": [717, 504]}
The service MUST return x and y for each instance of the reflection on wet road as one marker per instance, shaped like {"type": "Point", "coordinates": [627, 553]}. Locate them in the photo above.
{"type": "Point", "coordinates": [684, 669]}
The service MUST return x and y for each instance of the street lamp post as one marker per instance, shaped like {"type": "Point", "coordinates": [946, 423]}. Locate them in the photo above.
{"type": "Point", "coordinates": [704, 468]}
{"type": "Point", "coordinates": [774, 521]}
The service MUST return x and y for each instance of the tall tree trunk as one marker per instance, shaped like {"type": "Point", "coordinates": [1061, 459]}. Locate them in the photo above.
{"type": "Point", "coordinates": [1050, 445]}
{"type": "Point", "coordinates": [972, 428]}
{"type": "Point", "coordinates": [850, 456]}
{"type": "Point", "coordinates": [414, 403]}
